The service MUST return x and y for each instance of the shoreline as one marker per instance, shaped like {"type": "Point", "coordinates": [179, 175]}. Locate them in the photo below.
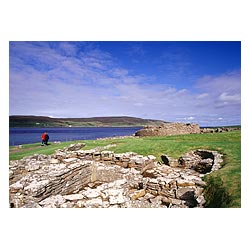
{"type": "Point", "coordinates": [22, 136]}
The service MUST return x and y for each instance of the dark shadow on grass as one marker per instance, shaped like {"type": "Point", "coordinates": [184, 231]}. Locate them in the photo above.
{"type": "Point", "coordinates": [215, 193]}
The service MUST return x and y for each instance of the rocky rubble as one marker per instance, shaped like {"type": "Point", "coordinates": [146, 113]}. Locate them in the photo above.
{"type": "Point", "coordinates": [98, 178]}
{"type": "Point", "coordinates": [218, 130]}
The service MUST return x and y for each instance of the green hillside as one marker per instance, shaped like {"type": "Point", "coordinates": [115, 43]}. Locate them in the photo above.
{"type": "Point", "coordinates": [44, 121]}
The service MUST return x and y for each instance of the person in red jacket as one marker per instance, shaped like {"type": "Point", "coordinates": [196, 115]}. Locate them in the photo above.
{"type": "Point", "coordinates": [43, 139]}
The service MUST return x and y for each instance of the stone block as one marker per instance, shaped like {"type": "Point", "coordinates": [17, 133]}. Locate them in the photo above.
{"type": "Point", "coordinates": [72, 197]}
{"type": "Point", "coordinates": [184, 183]}
{"type": "Point", "coordinates": [96, 202]}
{"type": "Point", "coordinates": [138, 194]}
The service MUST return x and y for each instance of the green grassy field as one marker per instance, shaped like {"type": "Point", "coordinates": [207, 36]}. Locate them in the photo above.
{"type": "Point", "coordinates": [16, 153]}
{"type": "Point", "coordinates": [224, 185]}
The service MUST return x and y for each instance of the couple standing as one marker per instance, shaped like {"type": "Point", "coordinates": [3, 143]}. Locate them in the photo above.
{"type": "Point", "coordinates": [45, 138]}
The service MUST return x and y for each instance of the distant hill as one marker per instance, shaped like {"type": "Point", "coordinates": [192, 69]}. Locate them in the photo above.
{"type": "Point", "coordinates": [113, 121]}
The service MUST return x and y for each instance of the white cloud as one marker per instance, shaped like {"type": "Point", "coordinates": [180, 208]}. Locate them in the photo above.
{"type": "Point", "coordinates": [229, 82]}
{"type": "Point", "coordinates": [229, 98]}
{"type": "Point", "coordinates": [68, 49]}
{"type": "Point", "coordinates": [118, 72]}
{"type": "Point", "coordinates": [203, 95]}
{"type": "Point", "coordinates": [190, 118]}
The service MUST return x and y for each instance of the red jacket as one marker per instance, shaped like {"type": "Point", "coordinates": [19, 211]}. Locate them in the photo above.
{"type": "Point", "coordinates": [43, 136]}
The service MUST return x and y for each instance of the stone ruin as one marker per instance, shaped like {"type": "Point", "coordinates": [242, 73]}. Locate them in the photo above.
{"type": "Point", "coordinates": [172, 128]}
{"type": "Point", "coordinates": [177, 128]}
{"type": "Point", "coordinates": [98, 178]}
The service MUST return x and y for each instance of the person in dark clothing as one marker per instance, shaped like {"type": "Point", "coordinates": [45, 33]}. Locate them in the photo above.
{"type": "Point", "coordinates": [45, 138]}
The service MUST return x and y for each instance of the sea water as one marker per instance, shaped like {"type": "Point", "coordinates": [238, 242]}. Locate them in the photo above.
{"type": "Point", "coordinates": [18, 136]}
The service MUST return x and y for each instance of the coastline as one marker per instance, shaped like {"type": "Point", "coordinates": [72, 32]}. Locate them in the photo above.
{"type": "Point", "coordinates": [20, 136]}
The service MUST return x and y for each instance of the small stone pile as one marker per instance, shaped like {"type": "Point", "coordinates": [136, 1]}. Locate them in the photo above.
{"type": "Point", "coordinates": [76, 178]}
{"type": "Point", "coordinates": [172, 128]}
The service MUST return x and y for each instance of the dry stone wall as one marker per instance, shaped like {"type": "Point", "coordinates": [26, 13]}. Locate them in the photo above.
{"type": "Point", "coordinates": [169, 129]}
{"type": "Point", "coordinates": [73, 177]}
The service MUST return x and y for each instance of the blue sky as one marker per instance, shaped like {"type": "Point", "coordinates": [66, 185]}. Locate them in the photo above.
{"type": "Point", "coordinates": [173, 81]}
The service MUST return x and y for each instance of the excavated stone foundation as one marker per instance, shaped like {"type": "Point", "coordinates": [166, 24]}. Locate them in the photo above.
{"type": "Point", "coordinates": [73, 177]}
